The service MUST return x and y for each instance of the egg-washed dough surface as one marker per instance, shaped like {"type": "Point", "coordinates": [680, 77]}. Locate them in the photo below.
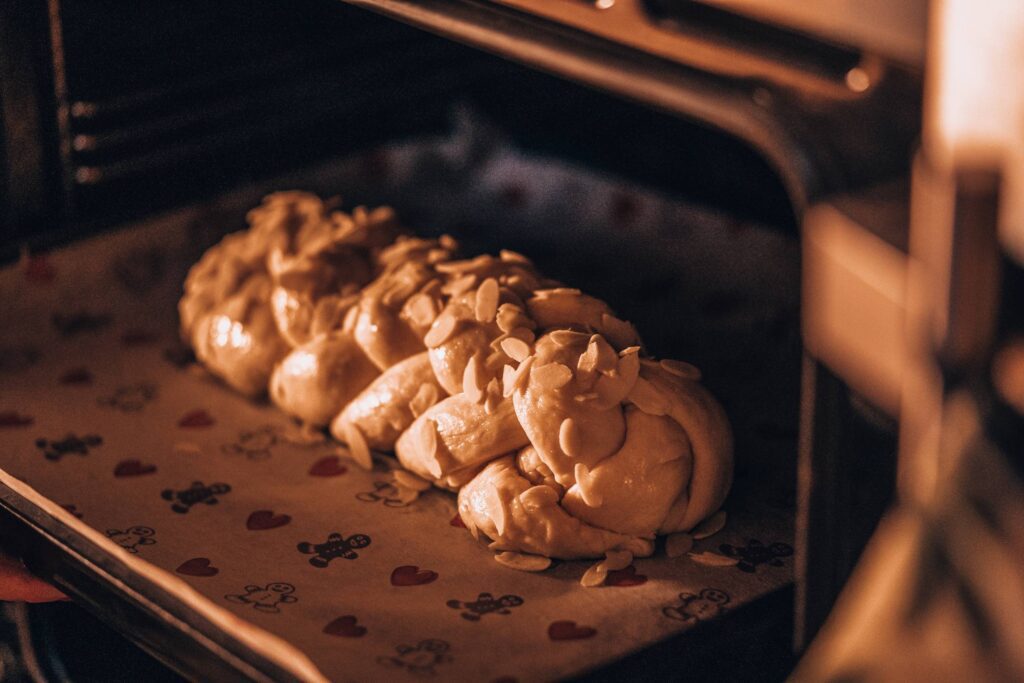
{"type": "Point", "coordinates": [99, 412]}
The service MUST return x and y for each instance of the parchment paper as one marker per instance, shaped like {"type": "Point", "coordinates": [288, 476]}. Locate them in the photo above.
{"type": "Point", "coordinates": [102, 413]}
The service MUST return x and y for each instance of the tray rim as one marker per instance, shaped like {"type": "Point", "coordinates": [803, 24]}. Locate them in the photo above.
{"type": "Point", "coordinates": [71, 552]}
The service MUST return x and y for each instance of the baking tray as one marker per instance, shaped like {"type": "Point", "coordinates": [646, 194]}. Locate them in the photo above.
{"type": "Point", "coordinates": [114, 445]}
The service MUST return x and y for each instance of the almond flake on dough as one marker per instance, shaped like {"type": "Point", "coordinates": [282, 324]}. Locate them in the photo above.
{"type": "Point", "coordinates": [523, 562]}
{"type": "Point", "coordinates": [713, 559]}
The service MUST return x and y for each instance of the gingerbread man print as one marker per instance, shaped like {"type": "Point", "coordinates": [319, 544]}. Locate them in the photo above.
{"type": "Point", "coordinates": [486, 603]}
{"type": "Point", "coordinates": [69, 445]}
{"type": "Point", "coordinates": [384, 492]}
{"type": "Point", "coordinates": [197, 493]}
{"type": "Point", "coordinates": [265, 598]}
{"type": "Point", "coordinates": [755, 553]}
{"type": "Point", "coordinates": [132, 538]}
{"type": "Point", "coordinates": [131, 398]}
{"type": "Point", "coordinates": [334, 547]}
{"type": "Point", "coordinates": [692, 608]}
{"type": "Point", "coordinates": [255, 444]}
{"type": "Point", "coordinates": [421, 659]}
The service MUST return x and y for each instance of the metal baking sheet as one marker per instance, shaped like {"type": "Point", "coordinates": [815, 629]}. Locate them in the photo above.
{"type": "Point", "coordinates": [280, 556]}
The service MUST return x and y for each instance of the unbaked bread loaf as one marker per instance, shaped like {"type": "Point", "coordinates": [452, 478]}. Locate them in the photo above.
{"type": "Point", "coordinates": [534, 401]}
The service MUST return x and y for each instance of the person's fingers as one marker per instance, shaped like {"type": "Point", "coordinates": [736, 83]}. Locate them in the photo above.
{"type": "Point", "coordinates": [17, 584]}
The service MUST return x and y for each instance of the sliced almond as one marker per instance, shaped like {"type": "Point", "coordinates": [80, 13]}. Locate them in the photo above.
{"type": "Point", "coordinates": [511, 316]}
{"type": "Point", "coordinates": [187, 448]}
{"type": "Point", "coordinates": [587, 362]}
{"type": "Point", "coordinates": [514, 281]}
{"type": "Point", "coordinates": [524, 333]}
{"type": "Point", "coordinates": [552, 376]}
{"type": "Point", "coordinates": [433, 466]}
{"type": "Point", "coordinates": [520, 377]}
{"type": "Point", "coordinates": [357, 446]}
{"type": "Point", "coordinates": [537, 497]}
{"type": "Point", "coordinates": [595, 575]}
{"type": "Point", "coordinates": [440, 330]}
{"type": "Point", "coordinates": [409, 480]}
{"type": "Point", "coordinates": [428, 439]}
{"type": "Point", "coordinates": [619, 332]}
{"type": "Point", "coordinates": [569, 438]}
{"type": "Point", "coordinates": [585, 484]}
{"type": "Point", "coordinates": [681, 369]}
{"type": "Point", "coordinates": [568, 337]}
{"type": "Point", "coordinates": [487, 300]}
{"type": "Point", "coordinates": [464, 265]}
{"type": "Point", "coordinates": [677, 545]}
{"type": "Point", "coordinates": [523, 562]}
{"type": "Point", "coordinates": [710, 526]}
{"type": "Point", "coordinates": [495, 343]}
{"type": "Point", "coordinates": [506, 317]}
{"type": "Point", "coordinates": [459, 285]}
{"type": "Point", "coordinates": [516, 349]}
{"type": "Point", "coordinates": [508, 377]}
{"type": "Point", "coordinates": [436, 256]}
{"type": "Point", "coordinates": [558, 291]}
{"type": "Point", "coordinates": [426, 396]}
{"type": "Point", "coordinates": [713, 559]}
{"type": "Point", "coordinates": [471, 380]}
{"type": "Point", "coordinates": [617, 559]}
{"type": "Point", "coordinates": [509, 256]}
{"type": "Point", "coordinates": [351, 316]}
{"type": "Point", "coordinates": [605, 358]}
{"type": "Point", "coordinates": [422, 309]}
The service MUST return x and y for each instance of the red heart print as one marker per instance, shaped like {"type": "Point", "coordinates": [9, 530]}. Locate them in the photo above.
{"type": "Point", "coordinates": [625, 577]}
{"type": "Point", "coordinates": [346, 627]}
{"type": "Point", "coordinates": [457, 521]}
{"type": "Point", "coordinates": [76, 376]}
{"type": "Point", "coordinates": [568, 630]}
{"type": "Point", "coordinates": [261, 520]}
{"type": "Point", "coordinates": [411, 575]}
{"type": "Point", "coordinates": [329, 466]}
{"type": "Point", "coordinates": [13, 418]}
{"type": "Point", "coordinates": [133, 468]}
{"type": "Point", "coordinates": [196, 419]}
{"type": "Point", "coordinates": [197, 566]}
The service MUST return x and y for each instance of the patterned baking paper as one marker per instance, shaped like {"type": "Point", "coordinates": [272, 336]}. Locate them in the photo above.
{"type": "Point", "coordinates": [102, 412]}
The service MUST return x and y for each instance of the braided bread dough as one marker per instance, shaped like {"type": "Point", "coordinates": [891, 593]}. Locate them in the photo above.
{"type": "Point", "coordinates": [532, 400]}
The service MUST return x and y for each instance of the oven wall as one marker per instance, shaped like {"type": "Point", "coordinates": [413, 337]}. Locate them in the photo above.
{"type": "Point", "coordinates": [112, 111]}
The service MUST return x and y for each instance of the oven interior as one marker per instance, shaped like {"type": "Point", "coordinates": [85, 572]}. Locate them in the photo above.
{"type": "Point", "coordinates": [685, 230]}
